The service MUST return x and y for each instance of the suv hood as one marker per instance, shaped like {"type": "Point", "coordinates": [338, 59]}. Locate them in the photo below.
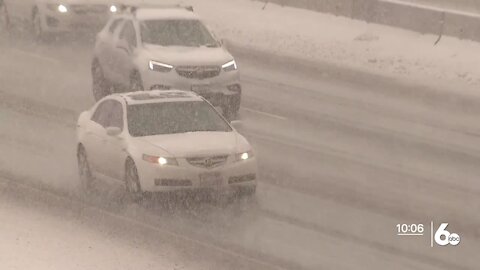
{"type": "Point", "coordinates": [178, 56]}
{"type": "Point", "coordinates": [194, 144]}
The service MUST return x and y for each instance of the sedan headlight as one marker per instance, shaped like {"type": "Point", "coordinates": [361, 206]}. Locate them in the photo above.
{"type": "Point", "coordinates": [162, 161]}
{"type": "Point", "coordinates": [57, 7]}
{"type": "Point", "coordinates": [229, 66]}
{"type": "Point", "coordinates": [113, 8]}
{"type": "Point", "coordinates": [244, 156]}
{"type": "Point", "coordinates": [158, 66]}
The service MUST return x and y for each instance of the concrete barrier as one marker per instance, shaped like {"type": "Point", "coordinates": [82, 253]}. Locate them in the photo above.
{"type": "Point", "coordinates": [422, 19]}
{"type": "Point", "coordinates": [336, 7]}
{"type": "Point", "coordinates": [463, 26]}
{"type": "Point", "coordinates": [410, 17]}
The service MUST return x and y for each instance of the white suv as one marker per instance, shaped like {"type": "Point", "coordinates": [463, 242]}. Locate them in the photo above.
{"type": "Point", "coordinates": [160, 141]}
{"type": "Point", "coordinates": [163, 48]}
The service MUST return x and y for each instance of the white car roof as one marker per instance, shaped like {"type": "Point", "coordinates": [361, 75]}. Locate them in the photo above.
{"type": "Point", "coordinates": [165, 13]}
{"type": "Point", "coordinates": [159, 96]}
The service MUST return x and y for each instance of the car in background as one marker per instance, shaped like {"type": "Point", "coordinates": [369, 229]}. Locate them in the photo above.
{"type": "Point", "coordinates": [46, 17]}
{"type": "Point", "coordinates": [164, 47]}
{"type": "Point", "coordinates": [163, 140]}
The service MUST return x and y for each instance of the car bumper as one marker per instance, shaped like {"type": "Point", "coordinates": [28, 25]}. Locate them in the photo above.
{"type": "Point", "coordinates": [228, 178]}
{"type": "Point", "coordinates": [223, 90]}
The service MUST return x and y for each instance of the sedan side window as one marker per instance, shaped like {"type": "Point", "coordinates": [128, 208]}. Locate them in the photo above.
{"type": "Point", "coordinates": [102, 113]}
{"type": "Point", "coordinates": [116, 115]}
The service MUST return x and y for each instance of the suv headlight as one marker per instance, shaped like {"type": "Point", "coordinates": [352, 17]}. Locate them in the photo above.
{"type": "Point", "coordinates": [158, 66]}
{"type": "Point", "coordinates": [160, 160]}
{"type": "Point", "coordinates": [244, 156]}
{"type": "Point", "coordinates": [229, 66]}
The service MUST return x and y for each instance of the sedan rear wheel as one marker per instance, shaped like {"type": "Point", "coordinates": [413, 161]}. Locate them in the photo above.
{"type": "Point", "coordinates": [37, 26]}
{"type": "Point", "coordinates": [86, 177]}
{"type": "Point", "coordinates": [4, 20]}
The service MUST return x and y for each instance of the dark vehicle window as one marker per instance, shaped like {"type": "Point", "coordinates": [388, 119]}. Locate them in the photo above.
{"type": "Point", "coordinates": [101, 115]}
{"type": "Point", "coordinates": [128, 33]}
{"type": "Point", "coordinates": [114, 25]}
{"type": "Point", "coordinates": [188, 33]}
{"type": "Point", "coordinates": [116, 115]}
{"type": "Point", "coordinates": [174, 117]}
{"type": "Point", "coordinates": [109, 114]}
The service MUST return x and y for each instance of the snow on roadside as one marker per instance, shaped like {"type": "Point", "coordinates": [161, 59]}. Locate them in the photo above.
{"type": "Point", "coordinates": [345, 42]}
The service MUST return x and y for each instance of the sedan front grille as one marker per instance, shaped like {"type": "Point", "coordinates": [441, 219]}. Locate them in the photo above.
{"type": "Point", "coordinates": [208, 162]}
{"type": "Point", "coordinates": [198, 72]}
{"type": "Point", "coordinates": [89, 9]}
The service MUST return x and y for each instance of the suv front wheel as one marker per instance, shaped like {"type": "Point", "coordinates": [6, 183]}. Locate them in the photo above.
{"type": "Point", "coordinates": [100, 86]}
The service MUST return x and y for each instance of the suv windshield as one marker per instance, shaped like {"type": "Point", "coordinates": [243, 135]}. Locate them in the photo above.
{"type": "Point", "coordinates": [187, 33]}
{"type": "Point", "coordinates": [173, 117]}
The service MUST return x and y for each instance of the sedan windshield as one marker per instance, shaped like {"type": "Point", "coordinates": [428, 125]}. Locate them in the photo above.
{"type": "Point", "coordinates": [173, 117]}
{"type": "Point", "coordinates": [186, 33]}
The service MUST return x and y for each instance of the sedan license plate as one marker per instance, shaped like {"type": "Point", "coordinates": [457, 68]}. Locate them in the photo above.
{"type": "Point", "coordinates": [211, 179]}
{"type": "Point", "coordinates": [200, 88]}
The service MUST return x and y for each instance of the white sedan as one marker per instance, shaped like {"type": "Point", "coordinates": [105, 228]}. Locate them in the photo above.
{"type": "Point", "coordinates": [59, 16]}
{"type": "Point", "coordinates": [160, 141]}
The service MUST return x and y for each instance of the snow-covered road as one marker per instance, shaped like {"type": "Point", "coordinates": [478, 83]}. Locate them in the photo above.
{"type": "Point", "coordinates": [342, 162]}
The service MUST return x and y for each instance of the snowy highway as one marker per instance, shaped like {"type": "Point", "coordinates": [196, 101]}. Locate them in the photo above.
{"type": "Point", "coordinates": [342, 158]}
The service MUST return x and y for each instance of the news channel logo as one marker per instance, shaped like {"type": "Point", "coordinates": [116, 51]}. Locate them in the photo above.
{"type": "Point", "coordinates": [439, 236]}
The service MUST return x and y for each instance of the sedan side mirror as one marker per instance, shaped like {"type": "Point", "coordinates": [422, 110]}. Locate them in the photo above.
{"type": "Point", "coordinates": [113, 131]}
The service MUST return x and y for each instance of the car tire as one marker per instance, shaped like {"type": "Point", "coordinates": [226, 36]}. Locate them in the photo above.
{"type": "Point", "coordinates": [136, 82]}
{"type": "Point", "coordinates": [100, 86]}
{"type": "Point", "coordinates": [4, 19]}
{"type": "Point", "coordinates": [246, 192]}
{"type": "Point", "coordinates": [132, 182]}
{"type": "Point", "coordinates": [37, 29]}
{"type": "Point", "coordinates": [85, 174]}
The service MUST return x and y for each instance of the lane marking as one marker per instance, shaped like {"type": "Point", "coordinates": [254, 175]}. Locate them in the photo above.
{"type": "Point", "coordinates": [37, 56]}
{"type": "Point", "coordinates": [264, 113]}
{"type": "Point", "coordinates": [46, 193]}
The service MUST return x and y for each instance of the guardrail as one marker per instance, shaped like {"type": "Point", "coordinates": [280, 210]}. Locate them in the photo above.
{"type": "Point", "coordinates": [420, 18]}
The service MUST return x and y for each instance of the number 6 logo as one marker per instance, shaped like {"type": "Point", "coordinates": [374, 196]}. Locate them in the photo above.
{"type": "Point", "coordinates": [452, 239]}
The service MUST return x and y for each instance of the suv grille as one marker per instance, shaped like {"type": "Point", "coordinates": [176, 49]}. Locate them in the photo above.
{"type": "Point", "coordinates": [208, 162]}
{"type": "Point", "coordinates": [198, 72]}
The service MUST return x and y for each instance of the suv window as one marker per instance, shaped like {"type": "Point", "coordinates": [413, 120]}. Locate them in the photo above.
{"type": "Point", "coordinates": [114, 25]}
{"type": "Point", "coordinates": [128, 33]}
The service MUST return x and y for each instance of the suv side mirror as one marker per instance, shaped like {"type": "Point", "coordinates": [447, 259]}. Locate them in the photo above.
{"type": "Point", "coordinates": [122, 44]}
{"type": "Point", "coordinates": [113, 131]}
{"type": "Point", "coordinates": [224, 43]}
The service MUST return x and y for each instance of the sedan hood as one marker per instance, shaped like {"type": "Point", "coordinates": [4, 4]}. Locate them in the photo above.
{"type": "Point", "coordinates": [195, 144]}
{"type": "Point", "coordinates": [177, 56]}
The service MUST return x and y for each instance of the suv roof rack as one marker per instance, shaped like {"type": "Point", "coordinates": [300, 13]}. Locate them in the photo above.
{"type": "Point", "coordinates": [133, 8]}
